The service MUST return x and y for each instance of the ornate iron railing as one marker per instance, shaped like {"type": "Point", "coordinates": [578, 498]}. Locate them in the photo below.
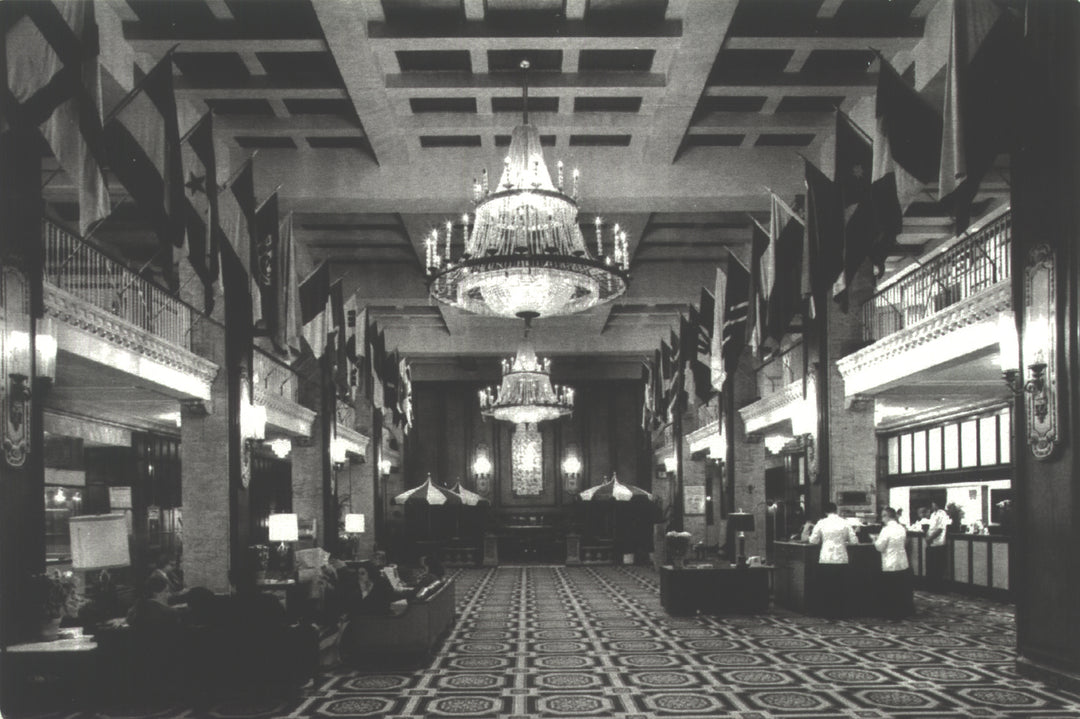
{"type": "Point", "coordinates": [976, 262]}
{"type": "Point", "coordinates": [77, 267]}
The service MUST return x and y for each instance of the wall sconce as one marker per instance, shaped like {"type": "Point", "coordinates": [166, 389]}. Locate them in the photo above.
{"type": "Point", "coordinates": [338, 451]}
{"type": "Point", "coordinates": [1037, 352]}
{"type": "Point", "coordinates": [571, 468]}
{"type": "Point", "coordinates": [481, 468]}
{"type": "Point", "coordinates": [252, 421]}
{"type": "Point", "coordinates": [384, 467]}
{"type": "Point", "coordinates": [671, 465]}
{"type": "Point", "coordinates": [281, 447]}
{"type": "Point", "coordinates": [775, 443]}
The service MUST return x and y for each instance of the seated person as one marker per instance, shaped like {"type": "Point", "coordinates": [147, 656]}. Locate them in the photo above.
{"type": "Point", "coordinates": [373, 593]}
{"type": "Point", "coordinates": [428, 570]}
{"type": "Point", "coordinates": [152, 611]}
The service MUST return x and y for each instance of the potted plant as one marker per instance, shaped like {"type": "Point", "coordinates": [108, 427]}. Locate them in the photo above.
{"type": "Point", "coordinates": [677, 545]}
{"type": "Point", "coordinates": [56, 596]}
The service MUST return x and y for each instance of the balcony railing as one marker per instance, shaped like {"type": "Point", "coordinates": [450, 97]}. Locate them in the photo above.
{"type": "Point", "coordinates": [77, 267]}
{"type": "Point", "coordinates": [974, 263]}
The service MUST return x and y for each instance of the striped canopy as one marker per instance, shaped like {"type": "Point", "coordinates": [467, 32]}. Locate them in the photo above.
{"type": "Point", "coordinates": [613, 489]}
{"type": "Point", "coordinates": [468, 497]}
{"type": "Point", "coordinates": [428, 493]}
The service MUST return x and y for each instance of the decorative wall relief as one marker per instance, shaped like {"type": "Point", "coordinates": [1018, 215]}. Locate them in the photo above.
{"type": "Point", "coordinates": [527, 452]}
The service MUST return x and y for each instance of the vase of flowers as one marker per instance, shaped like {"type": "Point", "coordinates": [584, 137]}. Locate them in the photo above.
{"type": "Point", "coordinates": [57, 596]}
{"type": "Point", "coordinates": [678, 546]}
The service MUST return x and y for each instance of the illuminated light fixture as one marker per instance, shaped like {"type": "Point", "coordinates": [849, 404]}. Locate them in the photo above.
{"type": "Point", "coordinates": [526, 395]}
{"type": "Point", "coordinates": [671, 464]}
{"type": "Point", "coordinates": [775, 443]}
{"type": "Point", "coordinates": [252, 421]}
{"type": "Point", "coordinates": [481, 466]}
{"type": "Point", "coordinates": [571, 466]}
{"type": "Point", "coordinates": [524, 253]}
{"type": "Point", "coordinates": [281, 447]}
{"type": "Point", "coordinates": [338, 451]}
{"type": "Point", "coordinates": [1036, 351]}
{"type": "Point", "coordinates": [384, 467]}
{"type": "Point", "coordinates": [354, 524]}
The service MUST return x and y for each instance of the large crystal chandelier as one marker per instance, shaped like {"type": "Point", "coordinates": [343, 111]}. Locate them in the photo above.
{"type": "Point", "coordinates": [525, 254]}
{"type": "Point", "coordinates": [526, 395]}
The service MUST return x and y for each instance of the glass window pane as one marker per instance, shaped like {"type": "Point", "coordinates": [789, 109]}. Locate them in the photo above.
{"type": "Point", "coordinates": [969, 444]}
{"type": "Point", "coordinates": [988, 439]}
{"type": "Point", "coordinates": [933, 451]}
{"type": "Point", "coordinates": [894, 455]}
{"type": "Point", "coordinates": [952, 446]}
{"type": "Point", "coordinates": [1005, 428]}
{"type": "Point", "coordinates": [905, 453]}
{"type": "Point", "coordinates": [919, 439]}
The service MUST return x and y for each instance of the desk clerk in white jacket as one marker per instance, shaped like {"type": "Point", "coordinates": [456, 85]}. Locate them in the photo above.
{"type": "Point", "coordinates": [833, 533]}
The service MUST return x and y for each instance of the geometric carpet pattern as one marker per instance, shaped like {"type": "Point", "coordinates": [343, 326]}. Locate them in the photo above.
{"type": "Point", "coordinates": [593, 641]}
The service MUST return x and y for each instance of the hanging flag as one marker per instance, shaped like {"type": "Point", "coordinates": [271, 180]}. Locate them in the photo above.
{"type": "Point", "coordinates": [648, 392]}
{"type": "Point", "coordinates": [758, 297]}
{"type": "Point", "coordinates": [238, 322]}
{"type": "Point", "coordinates": [316, 314]}
{"type": "Point", "coordinates": [337, 337]}
{"type": "Point", "coordinates": [361, 351]}
{"type": "Point", "coordinates": [352, 374]}
{"type": "Point", "coordinates": [269, 266]}
{"type": "Point", "coordinates": [676, 396]}
{"type": "Point", "coordinates": [983, 79]}
{"type": "Point", "coordinates": [142, 141]}
{"type": "Point", "coordinates": [667, 376]}
{"type": "Point", "coordinates": [736, 305]}
{"type": "Point", "coordinates": [377, 361]}
{"type": "Point", "coordinates": [54, 82]}
{"type": "Point", "coordinates": [202, 224]}
{"type": "Point", "coordinates": [657, 387]}
{"type": "Point", "coordinates": [391, 380]}
{"type": "Point", "coordinates": [699, 385]}
{"type": "Point", "coordinates": [405, 374]}
{"type": "Point", "coordinates": [785, 299]}
{"type": "Point", "coordinates": [824, 230]}
{"type": "Point", "coordinates": [716, 358]}
{"type": "Point", "coordinates": [907, 137]}
{"type": "Point", "coordinates": [237, 209]}
{"type": "Point", "coordinates": [292, 285]}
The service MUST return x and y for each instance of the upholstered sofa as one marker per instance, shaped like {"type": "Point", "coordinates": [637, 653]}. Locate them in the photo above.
{"type": "Point", "coordinates": [418, 630]}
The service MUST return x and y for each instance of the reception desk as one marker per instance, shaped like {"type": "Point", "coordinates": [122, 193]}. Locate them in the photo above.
{"type": "Point", "coordinates": [797, 584]}
{"type": "Point", "coordinates": [715, 590]}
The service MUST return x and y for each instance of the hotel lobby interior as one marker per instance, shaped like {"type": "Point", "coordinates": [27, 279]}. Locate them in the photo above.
{"type": "Point", "coordinates": [562, 322]}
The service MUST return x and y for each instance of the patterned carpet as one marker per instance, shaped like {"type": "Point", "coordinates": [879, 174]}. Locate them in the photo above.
{"type": "Point", "coordinates": [594, 642]}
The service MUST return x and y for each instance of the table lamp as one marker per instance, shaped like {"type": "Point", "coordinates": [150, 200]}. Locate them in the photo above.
{"type": "Point", "coordinates": [99, 542]}
{"type": "Point", "coordinates": [354, 524]}
{"type": "Point", "coordinates": [741, 522]}
{"type": "Point", "coordinates": [283, 528]}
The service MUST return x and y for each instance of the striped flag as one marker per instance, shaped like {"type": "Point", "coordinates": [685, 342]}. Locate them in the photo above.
{"type": "Point", "coordinates": [315, 310]}
{"type": "Point", "coordinates": [736, 305]}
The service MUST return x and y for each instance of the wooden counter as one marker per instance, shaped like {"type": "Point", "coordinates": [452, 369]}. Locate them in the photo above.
{"type": "Point", "coordinates": [795, 582]}
{"type": "Point", "coordinates": [715, 590]}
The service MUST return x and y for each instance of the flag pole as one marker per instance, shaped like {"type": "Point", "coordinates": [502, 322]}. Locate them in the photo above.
{"type": "Point", "coordinates": [274, 192]}
{"type": "Point", "coordinates": [795, 215]}
{"type": "Point", "coordinates": [138, 88]}
{"type": "Point", "coordinates": [232, 178]}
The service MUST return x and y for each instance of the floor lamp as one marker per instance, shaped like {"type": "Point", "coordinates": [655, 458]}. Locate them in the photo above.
{"type": "Point", "coordinates": [99, 542]}
{"type": "Point", "coordinates": [354, 526]}
{"type": "Point", "coordinates": [284, 529]}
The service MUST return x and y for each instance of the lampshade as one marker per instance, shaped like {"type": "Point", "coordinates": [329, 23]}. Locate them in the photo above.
{"type": "Point", "coordinates": [99, 541]}
{"type": "Point", "coordinates": [283, 528]}
{"type": "Point", "coordinates": [741, 521]}
{"type": "Point", "coordinates": [354, 524]}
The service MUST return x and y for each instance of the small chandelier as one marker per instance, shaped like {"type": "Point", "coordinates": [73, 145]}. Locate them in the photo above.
{"type": "Point", "coordinates": [526, 395]}
{"type": "Point", "coordinates": [524, 252]}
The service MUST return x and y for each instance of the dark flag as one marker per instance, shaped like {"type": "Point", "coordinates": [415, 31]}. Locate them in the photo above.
{"type": "Point", "coordinates": [204, 233]}
{"type": "Point", "coordinates": [785, 300]}
{"type": "Point", "coordinates": [907, 140]}
{"type": "Point", "coordinates": [392, 380]}
{"type": "Point", "coordinates": [54, 82]}
{"type": "Point", "coordinates": [270, 265]}
{"type": "Point", "coordinates": [657, 388]}
{"type": "Point", "coordinates": [983, 84]}
{"type": "Point", "coordinates": [824, 229]}
{"type": "Point", "coordinates": [315, 311]}
{"type": "Point", "coordinates": [676, 397]}
{"type": "Point", "coordinates": [238, 321]}
{"type": "Point", "coordinates": [647, 396]}
{"type": "Point", "coordinates": [700, 329]}
{"type": "Point", "coordinates": [142, 141]}
{"type": "Point", "coordinates": [338, 331]}
{"type": "Point", "coordinates": [736, 302]}
{"type": "Point", "coordinates": [667, 375]}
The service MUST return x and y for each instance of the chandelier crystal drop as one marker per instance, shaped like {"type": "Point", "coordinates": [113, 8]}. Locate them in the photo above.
{"type": "Point", "coordinates": [526, 395]}
{"type": "Point", "coordinates": [524, 253]}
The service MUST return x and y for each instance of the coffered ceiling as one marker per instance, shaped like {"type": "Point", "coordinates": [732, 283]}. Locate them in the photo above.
{"type": "Point", "coordinates": [374, 116]}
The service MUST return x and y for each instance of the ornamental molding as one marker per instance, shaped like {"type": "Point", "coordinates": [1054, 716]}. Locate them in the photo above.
{"type": "Point", "coordinates": [773, 409]}
{"type": "Point", "coordinates": [355, 443]}
{"type": "Point", "coordinates": [284, 415]}
{"type": "Point", "coordinates": [97, 322]}
{"type": "Point", "coordinates": [943, 336]}
{"type": "Point", "coordinates": [703, 437]}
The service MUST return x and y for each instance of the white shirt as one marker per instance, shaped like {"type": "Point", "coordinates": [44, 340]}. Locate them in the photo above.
{"type": "Point", "coordinates": [833, 534]}
{"type": "Point", "coordinates": [891, 545]}
{"type": "Point", "coordinates": [938, 520]}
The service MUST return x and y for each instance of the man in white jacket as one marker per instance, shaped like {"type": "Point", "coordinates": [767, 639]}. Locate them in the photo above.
{"type": "Point", "coordinates": [833, 533]}
{"type": "Point", "coordinates": [895, 598]}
